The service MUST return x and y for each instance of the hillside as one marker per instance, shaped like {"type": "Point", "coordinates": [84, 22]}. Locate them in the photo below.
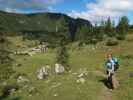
{"type": "Point", "coordinates": [41, 24]}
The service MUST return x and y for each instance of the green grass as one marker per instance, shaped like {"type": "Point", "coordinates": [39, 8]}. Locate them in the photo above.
{"type": "Point", "coordinates": [87, 57]}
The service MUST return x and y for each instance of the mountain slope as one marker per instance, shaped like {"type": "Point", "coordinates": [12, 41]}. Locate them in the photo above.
{"type": "Point", "coordinates": [41, 23]}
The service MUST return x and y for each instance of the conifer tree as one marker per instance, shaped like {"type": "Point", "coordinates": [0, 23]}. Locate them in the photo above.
{"type": "Point", "coordinates": [62, 54]}
{"type": "Point", "coordinates": [122, 28]}
{"type": "Point", "coordinates": [109, 28]}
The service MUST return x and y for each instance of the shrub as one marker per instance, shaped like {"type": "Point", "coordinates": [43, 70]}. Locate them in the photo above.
{"type": "Point", "coordinates": [121, 37]}
{"type": "Point", "coordinates": [8, 89]}
{"type": "Point", "coordinates": [112, 42]}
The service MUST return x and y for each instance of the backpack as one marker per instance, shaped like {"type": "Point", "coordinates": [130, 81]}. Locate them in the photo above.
{"type": "Point", "coordinates": [109, 65]}
{"type": "Point", "coordinates": [116, 67]}
{"type": "Point", "coordinates": [116, 64]}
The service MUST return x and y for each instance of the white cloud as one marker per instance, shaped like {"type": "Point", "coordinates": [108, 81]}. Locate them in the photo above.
{"type": "Point", "coordinates": [10, 10]}
{"type": "Point", "coordinates": [51, 9]}
{"type": "Point", "coordinates": [102, 9]}
{"type": "Point", "coordinates": [52, 1]}
{"type": "Point", "coordinates": [24, 6]}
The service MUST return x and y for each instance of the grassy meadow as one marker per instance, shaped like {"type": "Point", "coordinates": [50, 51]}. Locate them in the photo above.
{"type": "Point", "coordinates": [65, 87]}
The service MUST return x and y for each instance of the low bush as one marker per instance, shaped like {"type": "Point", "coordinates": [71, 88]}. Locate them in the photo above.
{"type": "Point", "coordinates": [112, 42]}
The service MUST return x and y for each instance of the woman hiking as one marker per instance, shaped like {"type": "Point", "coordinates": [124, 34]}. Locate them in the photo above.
{"type": "Point", "coordinates": [111, 66]}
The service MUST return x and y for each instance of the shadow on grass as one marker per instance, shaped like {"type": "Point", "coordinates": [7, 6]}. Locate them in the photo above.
{"type": "Point", "coordinates": [6, 98]}
{"type": "Point", "coordinates": [106, 83]}
{"type": "Point", "coordinates": [7, 90]}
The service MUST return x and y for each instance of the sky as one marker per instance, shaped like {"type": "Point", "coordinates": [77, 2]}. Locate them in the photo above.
{"type": "Point", "coordinates": [92, 10]}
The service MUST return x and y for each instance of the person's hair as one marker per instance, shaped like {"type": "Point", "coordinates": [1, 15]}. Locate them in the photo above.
{"type": "Point", "coordinates": [109, 54]}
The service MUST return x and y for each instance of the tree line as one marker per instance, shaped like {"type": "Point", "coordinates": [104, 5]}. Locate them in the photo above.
{"type": "Point", "coordinates": [106, 29]}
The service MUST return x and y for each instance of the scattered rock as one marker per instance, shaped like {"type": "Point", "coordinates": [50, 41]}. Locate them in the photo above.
{"type": "Point", "coordinates": [48, 66]}
{"type": "Point", "coordinates": [21, 53]}
{"type": "Point", "coordinates": [44, 48]}
{"type": "Point", "coordinates": [74, 73]}
{"type": "Point", "coordinates": [59, 69]}
{"type": "Point", "coordinates": [9, 89]}
{"type": "Point", "coordinates": [22, 79]}
{"type": "Point", "coordinates": [80, 80]}
{"type": "Point", "coordinates": [70, 71]}
{"type": "Point", "coordinates": [55, 95]}
{"type": "Point", "coordinates": [12, 90]}
{"type": "Point", "coordinates": [4, 83]}
{"type": "Point", "coordinates": [82, 73]}
{"type": "Point", "coordinates": [30, 95]}
{"type": "Point", "coordinates": [42, 72]}
{"type": "Point", "coordinates": [31, 53]}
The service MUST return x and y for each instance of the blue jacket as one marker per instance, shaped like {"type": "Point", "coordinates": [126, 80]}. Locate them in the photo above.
{"type": "Point", "coordinates": [111, 63]}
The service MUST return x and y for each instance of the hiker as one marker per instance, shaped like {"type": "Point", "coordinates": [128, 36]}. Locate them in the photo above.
{"type": "Point", "coordinates": [112, 65]}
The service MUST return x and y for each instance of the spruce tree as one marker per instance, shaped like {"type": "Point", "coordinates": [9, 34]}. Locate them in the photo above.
{"type": "Point", "coordinates": [102, 30]}
{"type": "Point", "coordinates": [109, 28]}
{"type": "Point", "coordinates": [122, 28]}
{"type": "Point", "coordinates": [85, 34]}
{"type": "Point", "coordinates": [62, 54]}
{"type": "Point", "coordinates": [99, 33]}
{"type": "Point", "coordinates": [62, 29]}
